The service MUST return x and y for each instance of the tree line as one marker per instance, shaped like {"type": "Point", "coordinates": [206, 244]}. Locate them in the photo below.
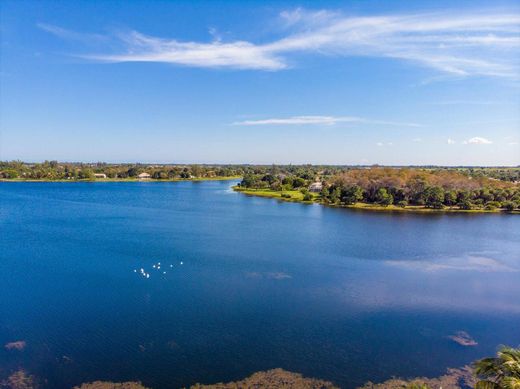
{"type": "Point", "coordinates": [431, 188]}
{"type": "Point", "coordinates": [54, 170]}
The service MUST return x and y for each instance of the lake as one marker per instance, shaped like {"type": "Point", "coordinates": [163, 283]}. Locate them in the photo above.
{"type": "Point", "coordinates": [245, 284]}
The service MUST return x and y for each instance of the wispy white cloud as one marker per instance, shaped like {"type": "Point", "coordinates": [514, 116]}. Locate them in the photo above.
{"type": "Point", "coordinates": [478, 140]}
{"type": "Point", "coordinates": [456, 43]}
{"type": "Point", "coordinates": [66, 34]}
{"type": "Point", "coordinates": [451, 141]}
{"type": "Point", "coordinates": [319, 120]}
{"type": "Point", "coordinates": [469, 102]}
{"type": "Point", "coordinates": [417, 140]}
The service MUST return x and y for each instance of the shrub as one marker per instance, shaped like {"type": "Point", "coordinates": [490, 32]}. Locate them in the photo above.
{"type": "Point", "coordinates": [467, 205]}
{"type": "Point", "coordinates": [510, 206]}
{"type": "Point", "coordinates": [490, 205]}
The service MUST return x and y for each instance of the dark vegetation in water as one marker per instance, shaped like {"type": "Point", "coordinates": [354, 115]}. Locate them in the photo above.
{"type": "Point", "coordinates": [463, 338]}
{"type": "Point", "coordinates": [111, 385]}
{"type": "Point", "coordinates": [453, 379]}
{"type": "Point", "coordinates": [18, 345]}
{"type": "Point", "coordinates": [499, 372]}
{"type": "Point", "coordinates": [276, 378]}
{"type": "Point", "coordinates": [20, 379]}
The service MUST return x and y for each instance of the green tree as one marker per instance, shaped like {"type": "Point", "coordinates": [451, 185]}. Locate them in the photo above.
{"type": "Point", "coordinates": [324, 193]}
{"type": "Point", "coordinates": [383, 197]}
{"type": "Point", "coordinates": [450, 198]}
{"type": "Point", "coordinates": [500, 372]}
{"type": "Point", "coordinates": [298, 182]}
{"type": "Point", "coordinates": [334, 195]}
{"type": "Point", "coordinates": [509, 206]}
{"type": "Point", "coordinates": [351, 194]}
{"type": "Point", "coordinates": [434, 197]}
{"type": "Point", "coordinates": [10, 173]}
{"type": "Point", "coordinates": [86, 174]}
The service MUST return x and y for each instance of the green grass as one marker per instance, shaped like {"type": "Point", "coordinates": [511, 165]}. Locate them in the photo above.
{"type": "Point", "coordinates": [297, 196]}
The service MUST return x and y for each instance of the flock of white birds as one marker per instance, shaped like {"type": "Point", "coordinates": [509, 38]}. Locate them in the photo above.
{"type": "Point", "coordinates": [157, 267]}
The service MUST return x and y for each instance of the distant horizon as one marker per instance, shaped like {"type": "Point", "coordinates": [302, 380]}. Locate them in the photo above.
{"type": "Point", "coordinates": [261, 164]}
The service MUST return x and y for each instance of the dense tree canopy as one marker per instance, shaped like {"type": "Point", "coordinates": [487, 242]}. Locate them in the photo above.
{"type": "Point", "coordinates": [432, 188]}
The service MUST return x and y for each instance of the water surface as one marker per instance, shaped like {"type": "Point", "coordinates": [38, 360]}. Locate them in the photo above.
{"type": "Point", "coordinates": [332, 293]}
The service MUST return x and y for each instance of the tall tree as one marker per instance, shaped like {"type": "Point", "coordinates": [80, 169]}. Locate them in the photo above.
{"type": "Point", "coordinates": [500, 372]}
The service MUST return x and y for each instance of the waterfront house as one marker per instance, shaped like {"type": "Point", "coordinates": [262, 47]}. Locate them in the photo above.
{"type": "Point", "coordinates": [315, 187]}
{"type": "Point", "coordinates": [100, 175]}
{"type": "Point", "coordinates": [144, 176]}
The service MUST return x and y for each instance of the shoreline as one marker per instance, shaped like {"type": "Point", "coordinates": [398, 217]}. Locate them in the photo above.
{"type": "Point", "coordinates": [298, 198]}
{"type": "Point", "coordinates": [227, 178]}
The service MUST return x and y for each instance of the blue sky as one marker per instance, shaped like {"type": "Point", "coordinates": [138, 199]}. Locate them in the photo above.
{"type": "Point", "coordinates": [355, 82]}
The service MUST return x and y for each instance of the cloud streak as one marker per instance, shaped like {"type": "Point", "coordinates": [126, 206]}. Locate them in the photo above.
{"type": "Point", "coordinates": [477, 140]}
{"type": "Point", "coordinates": [456, 43]}
{"type": "Point", "coordinates": [318, 120]}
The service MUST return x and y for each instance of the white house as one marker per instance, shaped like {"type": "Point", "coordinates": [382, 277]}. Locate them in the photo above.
{"type": "Point", "coordinates": [144, 176]}
{"type": "Point", "coordinates": [315, 187]}
{"type": "Point", "coordinates": [100, 175]}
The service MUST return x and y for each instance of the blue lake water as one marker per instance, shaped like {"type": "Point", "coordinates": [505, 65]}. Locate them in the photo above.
{"type": "Point", "coordinates": [331, 293]}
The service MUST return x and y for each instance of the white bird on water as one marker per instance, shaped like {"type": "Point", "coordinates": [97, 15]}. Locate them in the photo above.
{"type": "Point", "coordinates": [182, 263]}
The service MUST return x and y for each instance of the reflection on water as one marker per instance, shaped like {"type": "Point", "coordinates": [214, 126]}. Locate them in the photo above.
{"type": "Point", "coordinates": [232, 284]}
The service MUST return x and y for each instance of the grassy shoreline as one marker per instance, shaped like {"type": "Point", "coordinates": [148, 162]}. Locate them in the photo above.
{"type": "Point", "coordinates": [227, 178]}
{"type": "Point", "coordinates": [297, 197]}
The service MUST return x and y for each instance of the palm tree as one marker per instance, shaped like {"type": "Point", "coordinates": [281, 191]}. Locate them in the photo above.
{"type": "Point", "coordinates": [500, 372]}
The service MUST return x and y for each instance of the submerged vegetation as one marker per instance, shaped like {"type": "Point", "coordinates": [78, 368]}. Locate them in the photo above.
{"type": "Point", "coordinates": [500, 372]}
{"type": "Point", "coordinates": [276, 378]}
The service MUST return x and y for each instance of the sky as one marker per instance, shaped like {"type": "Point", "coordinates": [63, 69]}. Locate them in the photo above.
{"type": "Point", "coordinates": [321, 82]}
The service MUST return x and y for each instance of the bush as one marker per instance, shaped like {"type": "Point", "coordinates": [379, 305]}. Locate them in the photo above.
{"type": "Point", "coordinates": [402, 203]}
{"type": "Point", "coordinates": [307, 197]}
{"type": "Point", "coordinates": [286, 195]}
{"type": "Point", "coordinates": [10, 173]}
{"type": "Point", "coordinates": [510, 206]}
{"type": "Point", "coordinates": [490, 205]}
{"type": "Point", "coordinates": [466, 205]}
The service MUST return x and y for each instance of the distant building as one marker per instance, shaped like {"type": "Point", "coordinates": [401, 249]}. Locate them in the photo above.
{"type": "Point", "coordinates": [315, 187]}
{"type": "Point", "coordinates": [144, 176]}
{"type": "Point", "coordinates": [100, 175]}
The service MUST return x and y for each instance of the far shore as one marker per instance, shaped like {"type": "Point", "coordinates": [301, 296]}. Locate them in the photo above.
{"type": "Point", "coordinates": [227, 178]}
{"type": "Point", "coordinates": [295, 196]}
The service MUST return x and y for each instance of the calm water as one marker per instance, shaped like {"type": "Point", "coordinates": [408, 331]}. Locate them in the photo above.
{"type": "Point", "coordinates": [336, 294]}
